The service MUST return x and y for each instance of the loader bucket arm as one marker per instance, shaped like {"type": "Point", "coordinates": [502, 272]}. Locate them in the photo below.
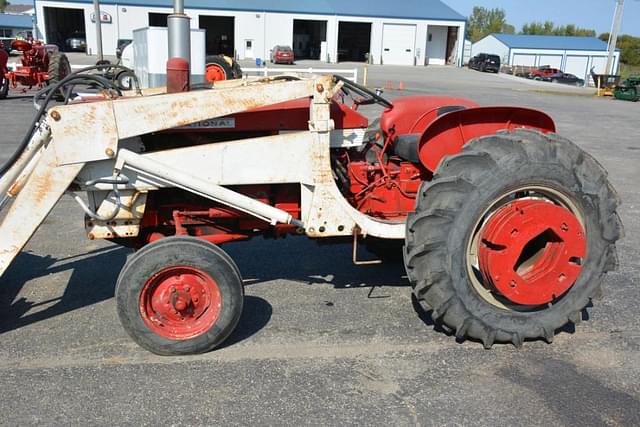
{"type": "Point", "coordinates": [80, 134]}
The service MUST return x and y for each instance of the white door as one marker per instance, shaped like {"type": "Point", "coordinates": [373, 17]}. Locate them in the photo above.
{"type": "Point", "coordinates": [398, 44]}
{"type": "Point", "coordinates": [553, 61]}
{"type": "Point", "coordinates": [524, 60]}
{"type": "Point", "coordinates": [577, 65]}
{"type": "Point", "coordinates": [248, 49]}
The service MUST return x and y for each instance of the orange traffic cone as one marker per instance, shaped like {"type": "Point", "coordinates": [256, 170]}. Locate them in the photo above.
{"type": "Point", "coordinates": [401, 85]}
{"type": "Point", "coordinates": [389, 85]}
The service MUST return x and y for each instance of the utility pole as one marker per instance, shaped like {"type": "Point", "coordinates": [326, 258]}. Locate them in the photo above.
{"type": "Point", "coordinates": [613, 36]}
{"type": "Point", "coordinates": [98, 16]}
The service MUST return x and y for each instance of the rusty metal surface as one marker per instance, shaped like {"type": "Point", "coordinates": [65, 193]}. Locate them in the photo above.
{"type": "Point", "coordinates": [41, 192]}
{"type": "Point", "coordinates": [127, 221]}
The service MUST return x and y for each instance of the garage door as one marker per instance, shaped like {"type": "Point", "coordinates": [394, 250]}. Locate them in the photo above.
{"type": "Point", "coordinates": [398, 44]}
{"type": "Point", "coordinates": [577, 65]}
{"type": "Point", "coordinates": [553, 61]}
{"type": "Point", "coordinates": [524, 60]}
{"type": "Point", "coordinates": [599, 63]}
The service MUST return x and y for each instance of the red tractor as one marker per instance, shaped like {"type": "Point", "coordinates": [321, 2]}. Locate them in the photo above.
{"type": "Point", "coordinates": [507, 229]}
{"type": "Point", "coordinates": [41, 65]}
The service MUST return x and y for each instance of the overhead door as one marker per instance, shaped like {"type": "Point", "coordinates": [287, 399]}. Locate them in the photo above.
{"type": "Point", "coordinates": [577, 65]}
{"type": "Point", "coordinates": [398, 44]}
{"type": "Point", "coordinates": [524, 60]}
{"type": "Point", "coordinates": [599, 64]}
{"type": "Point", "coordinates": [553, 61]}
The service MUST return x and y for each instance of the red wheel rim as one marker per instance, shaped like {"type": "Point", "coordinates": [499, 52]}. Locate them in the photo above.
{"type": "Point", "coordinates": [531, 251]}
{"type": "Point", "coordinates": [180, 302]}
{"type": "Point", "coordinates": [215, 73]}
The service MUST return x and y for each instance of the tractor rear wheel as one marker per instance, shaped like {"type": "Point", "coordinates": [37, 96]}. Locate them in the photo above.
{"type": "Point", "coordinates": [512, 237]}
{"type": "Point", "coordinates": [59, 68]}
{"type": "Point", "coordinates": [179, 295]}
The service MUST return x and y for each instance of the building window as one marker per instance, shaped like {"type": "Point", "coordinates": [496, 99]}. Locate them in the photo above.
{"type": "Point", "coordinates": [6, 32]}
{"type": "Point", "coordinates": [158, 19]}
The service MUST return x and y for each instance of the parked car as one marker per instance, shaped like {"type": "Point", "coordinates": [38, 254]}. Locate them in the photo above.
{"type": "Point", "coordinates": [543, 72]}
{"type": "Point", "coordinates": [77, 41]}
{"type": "Point", "coordinates": [565, 78]}
{"type": "Point", "coordinates": [485, 62]}
{"type": "Point", "coordinates": [282, 55]}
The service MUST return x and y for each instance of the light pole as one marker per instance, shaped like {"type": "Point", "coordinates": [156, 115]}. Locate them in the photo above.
{"type": "Point", "coordinates": [98, 16]}
{"type": "Point", "coordinates": [613, 36]}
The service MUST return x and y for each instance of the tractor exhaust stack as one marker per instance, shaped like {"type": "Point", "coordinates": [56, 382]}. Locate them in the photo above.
{"type": "Point", "coordinates": [178, 67]}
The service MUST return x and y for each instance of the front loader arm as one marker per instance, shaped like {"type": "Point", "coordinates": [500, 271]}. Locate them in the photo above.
{"type": "Point", "coordinates": [81, 134]}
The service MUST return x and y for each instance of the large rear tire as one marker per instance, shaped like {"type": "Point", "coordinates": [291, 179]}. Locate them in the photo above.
{"type": "Point", "coordinates": [472, 198]}
{"type": "Point", "coordinates": [179, 296]}
{"type": "Point", "coordinates": [59, 68]}
{"type": "Point", "coordinates": [218, 68]}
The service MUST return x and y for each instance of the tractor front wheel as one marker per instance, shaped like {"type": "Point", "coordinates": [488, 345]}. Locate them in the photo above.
{"type": "Point", "coordinates": [512, 237]}
{"type": "Point", "coordinates": [179, 296]}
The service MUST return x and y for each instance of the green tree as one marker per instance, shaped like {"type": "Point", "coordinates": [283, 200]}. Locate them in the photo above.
{"type": "Point", "coordinates": [629, 46]}
{"type": "Point", "coordinates": [483, 22]}
{"type": "Point", "coordinates": [548, 28]}
{"type": "Point", "coordinates": [3, 5]}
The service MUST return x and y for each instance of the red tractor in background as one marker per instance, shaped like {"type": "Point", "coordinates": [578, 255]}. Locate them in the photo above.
{"type": "Point", "coordinates": [41, 65]}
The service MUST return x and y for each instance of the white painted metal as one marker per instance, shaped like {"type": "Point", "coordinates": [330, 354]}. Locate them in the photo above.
{"type": "Point", "coordinates": [151, 54]}
{"type": "Point", "coordinates": [491, 45]}
{"type": "Point", "coordinates": [177, 178]}
{"type": "Point", "coordinates": [7, 181]}
{"type": "Point", "coordinates": [577, 65]}
{"type": "Point", "coordinates": [524, 60]}
{"type": "Point", "coordinates": [553, 61]}
{"type": "Point", "coordinates": [46, 185]}
{"type": "Point", "coordinates": [437, 44]}
{"type": "Point", "coordinates": [398, 44]}
{"type": "Point", "coordinates": [351, 73]}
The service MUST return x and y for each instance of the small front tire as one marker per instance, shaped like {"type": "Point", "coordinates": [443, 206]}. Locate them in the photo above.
{"type": "Point", "coordinates": [179, 296]}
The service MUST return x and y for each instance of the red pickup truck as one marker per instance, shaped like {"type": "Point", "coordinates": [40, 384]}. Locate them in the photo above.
{"type": "Point", "coordinates": [543, 73]}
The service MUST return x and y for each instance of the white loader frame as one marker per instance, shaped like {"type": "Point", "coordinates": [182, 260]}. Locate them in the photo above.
{"type": "Point", "coordinates": [93, 147]}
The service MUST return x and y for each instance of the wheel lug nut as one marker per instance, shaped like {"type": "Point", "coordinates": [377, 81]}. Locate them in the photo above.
{"type": "Point", "coordinates": [187, 288]}
{"type": "Point", "coordinates": [173, 289]}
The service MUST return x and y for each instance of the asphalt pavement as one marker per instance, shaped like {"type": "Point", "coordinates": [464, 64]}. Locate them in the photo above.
{"type": "Point", "coordinates": [321, 341]}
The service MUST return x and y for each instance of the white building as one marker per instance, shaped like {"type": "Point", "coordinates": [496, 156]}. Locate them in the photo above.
{"type": "Point", "coordinates": [574, 55]}
{"type": "Point", "coordinates": [410, 32]}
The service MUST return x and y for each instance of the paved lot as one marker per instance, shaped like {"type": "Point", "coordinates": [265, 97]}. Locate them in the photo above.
{"type": "Point", "coordinates": [321, 341]}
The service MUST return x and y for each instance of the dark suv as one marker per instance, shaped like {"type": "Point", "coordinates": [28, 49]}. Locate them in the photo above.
{"type": "Point", "coordinates": [485, 62]}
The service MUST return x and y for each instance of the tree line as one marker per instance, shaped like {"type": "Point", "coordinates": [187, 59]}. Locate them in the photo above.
{"type": "Point", "coordinates": [483, 22]}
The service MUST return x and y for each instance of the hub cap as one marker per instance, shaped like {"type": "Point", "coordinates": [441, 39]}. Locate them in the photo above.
{"type": "Point", "coordinates": [530, 251]}
{"type": "Point", "coordinates": [180, 303]}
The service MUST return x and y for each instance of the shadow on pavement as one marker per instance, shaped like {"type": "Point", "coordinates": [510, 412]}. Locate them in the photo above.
{"type": "Point", "coordinates": [92, 280]}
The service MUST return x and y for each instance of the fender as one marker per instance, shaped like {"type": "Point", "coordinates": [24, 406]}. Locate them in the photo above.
{"type": "Point", "coordinates": [449, 133]}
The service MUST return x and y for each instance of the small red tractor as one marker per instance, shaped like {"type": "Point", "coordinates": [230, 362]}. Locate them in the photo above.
{"type": "Point", "coordinates": [41, 65]}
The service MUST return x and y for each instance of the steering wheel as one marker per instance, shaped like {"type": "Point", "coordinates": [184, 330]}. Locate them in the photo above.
{"type": "Point", "coordinates": [365, 96]}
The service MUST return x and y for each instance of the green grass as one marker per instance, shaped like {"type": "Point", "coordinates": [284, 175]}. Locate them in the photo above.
{"type": "Point", "coordinates": [627, 70]}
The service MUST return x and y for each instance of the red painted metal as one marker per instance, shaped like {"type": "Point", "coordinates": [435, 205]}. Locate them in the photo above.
{"type": "Point", "coordinates": [412, 114]}
{"type": "Point", "coordinates": [214, 73]}
{"type": "Point", "coordinates": [450, 132]}
{"type": "Point", "coordinates": [531, 251]}
{"type": "Point", "coordinates": [180, 302]}
{"type": "Point", "coordinates": [178, 70]}
{"type": "Point", "coordinates": [4, 59]}
{"type": "Point", "coordinates": [291, 115]}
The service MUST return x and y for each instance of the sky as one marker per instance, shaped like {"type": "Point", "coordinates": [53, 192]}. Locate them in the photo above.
{"type": "Point", "coordinates": [590, 14]}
